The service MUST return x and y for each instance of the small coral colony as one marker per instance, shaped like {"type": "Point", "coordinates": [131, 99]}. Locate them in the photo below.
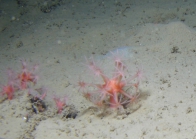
{"type": "Point", "coordinates": [118, 91]}
{"type": "Point", "coordinates": [25, 80]}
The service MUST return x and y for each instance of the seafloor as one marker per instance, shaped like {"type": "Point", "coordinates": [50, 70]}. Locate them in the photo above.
{"type": "Point", "coordinates": [157, 36]}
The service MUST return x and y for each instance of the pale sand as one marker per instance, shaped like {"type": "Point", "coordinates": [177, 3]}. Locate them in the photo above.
{"type": "Point", "coordinates": [148, 31]}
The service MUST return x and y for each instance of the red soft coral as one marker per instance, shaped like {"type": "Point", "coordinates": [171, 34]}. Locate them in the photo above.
{"type": "Point", "coordinates": [27, 75]}
{"type": "Point", "coordinates": [8, 90]}
{"type": "Point", "coordinates": [60, 103]}
{"type": "Point", "coordinates": [12, 85]}
{"type": "Point", "coordinates": [113, 91]}
{"type": "Point", "coordinates": [21, 80]}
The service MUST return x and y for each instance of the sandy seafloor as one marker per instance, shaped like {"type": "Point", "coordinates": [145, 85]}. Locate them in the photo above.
{"type": "Point", "coordinates": [157, 35]}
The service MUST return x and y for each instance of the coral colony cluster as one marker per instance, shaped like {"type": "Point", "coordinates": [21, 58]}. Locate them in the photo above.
{"type": "Point", "coordinates": [115, 92]}
{"type": "Point", "coordinates": [19, 81]}
{"type": "Point", "coordinates": [25, 79]}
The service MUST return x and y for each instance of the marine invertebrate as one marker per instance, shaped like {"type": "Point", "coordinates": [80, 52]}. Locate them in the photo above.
{"type": "Point", "coordinates": [19, 80]}
{"type": "Point", "coordinates": [9, 89]}
{"type": "Point", "coordinates": [26, 75]}
{"type": "Point", "coordinates": [117, 91]}
{"type": "Point", "coordinates": [60, 103]}
{"type": "Point", "coordinates": [12, 85]}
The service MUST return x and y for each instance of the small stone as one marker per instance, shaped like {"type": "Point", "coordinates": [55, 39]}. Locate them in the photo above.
{"type": "Point", "coordinates": [67, 130]}
{"type": "Point", "coordinates": [189, 110]}
{"type": "Point", "coordinates": [28, 106]}
{"type": "Point", "coordinates": [112, 128]}
{"type": "Point", "coordinates": [66, 83]}
{"type": "Point", "coordinates": [13, 18]}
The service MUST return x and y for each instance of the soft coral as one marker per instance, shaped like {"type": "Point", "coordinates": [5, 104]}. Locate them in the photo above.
{"type": "Point", "coordinates": [112, 90]}
{"type": "Point", "coordinates": [60, 103]}
{"type": "Point", "coordinates": [19, 80]}
{"type": "Point", "coordinates": [12, 85]}
{"type": "Point", "coordinates": [27, 75]}
{"type": "Point", "coordinates": [8, 90]}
